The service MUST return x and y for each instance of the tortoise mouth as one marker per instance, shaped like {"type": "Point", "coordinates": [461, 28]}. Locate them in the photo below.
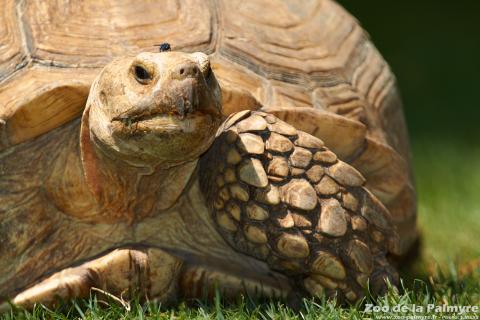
{"type": "Point", "coordinates": [153, 118]}
{"type": "Point", "coordinates": [165, 123]}
{"type": "Point", "coordinates": [160, 122]}
{"type": "Point", "coordinates": [149, 115]}
{"type": "Point", "coordinates": [168, 116]}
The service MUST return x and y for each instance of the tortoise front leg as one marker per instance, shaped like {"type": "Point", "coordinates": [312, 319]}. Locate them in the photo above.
{"type": "Point", "coordinates": [122, 272]}
{"type": "Point", "coordinates": [280, 195]}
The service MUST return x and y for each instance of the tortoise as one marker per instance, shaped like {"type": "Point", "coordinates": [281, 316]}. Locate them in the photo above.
{"type": "Point", "coordinates": [265, 154]}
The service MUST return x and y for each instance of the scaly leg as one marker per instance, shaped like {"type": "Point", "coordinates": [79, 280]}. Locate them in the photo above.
{"type": "Point", "coordinates": [278, 194]}
{"type": "Point", "coordinates": [122, 272]}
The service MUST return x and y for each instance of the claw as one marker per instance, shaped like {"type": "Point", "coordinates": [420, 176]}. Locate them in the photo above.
{"type": "Point", "coordinates": [65, 285]}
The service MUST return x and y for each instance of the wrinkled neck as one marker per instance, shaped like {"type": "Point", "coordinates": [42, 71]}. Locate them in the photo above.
{"type": "Point", "coordinates": [131, 192]}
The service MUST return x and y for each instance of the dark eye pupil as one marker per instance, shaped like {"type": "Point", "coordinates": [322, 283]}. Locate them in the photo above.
{"type": "Point", "coordinates": [141, 73]}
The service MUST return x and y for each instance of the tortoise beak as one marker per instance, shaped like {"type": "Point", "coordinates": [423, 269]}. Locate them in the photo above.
{"type": "Point", "coordinates": [177, 98]}
{"type": "Point", "coordinates": [185, 91]}
{"type": "Point", "coordinates": [186, 100]}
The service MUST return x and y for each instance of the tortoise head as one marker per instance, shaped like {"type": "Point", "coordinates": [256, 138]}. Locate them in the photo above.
{"type": "Point", "coordinates": [155, 108]}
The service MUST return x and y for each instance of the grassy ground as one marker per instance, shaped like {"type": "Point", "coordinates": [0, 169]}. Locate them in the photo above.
{"type": "Point", "coordinates": [448, 181]}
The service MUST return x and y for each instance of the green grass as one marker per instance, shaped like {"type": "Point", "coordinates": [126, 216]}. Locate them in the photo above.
{"type": "Point", "coordinates": [446, 272]}
{"type": "Point", "coordinates": [449, 290]}
{"type": "Point", "coordinates": [448, 183]}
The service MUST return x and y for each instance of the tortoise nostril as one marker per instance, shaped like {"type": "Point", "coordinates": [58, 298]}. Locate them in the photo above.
{"type": "Point", "coordinates": [185, 70]}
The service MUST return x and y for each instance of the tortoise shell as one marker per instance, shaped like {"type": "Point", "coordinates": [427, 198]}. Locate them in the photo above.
{"type": "Point", "coordinates": [308, 62]}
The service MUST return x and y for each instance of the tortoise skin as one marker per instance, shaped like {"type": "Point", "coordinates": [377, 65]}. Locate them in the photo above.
{"type": "Point", "coordinates": [310, 65]}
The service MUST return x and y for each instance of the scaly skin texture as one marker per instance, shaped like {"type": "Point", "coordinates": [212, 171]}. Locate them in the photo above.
{"type": "Point", "coordinates": [280, 195]}
{"type": "Point", "coordinates": [126, 177]}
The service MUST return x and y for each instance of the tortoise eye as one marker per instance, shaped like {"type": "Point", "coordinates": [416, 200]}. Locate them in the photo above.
{"type": "Point", "coordinates": [142, 75]}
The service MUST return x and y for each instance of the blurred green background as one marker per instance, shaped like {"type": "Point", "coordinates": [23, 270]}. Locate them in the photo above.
{"type": "Point", "coordinates": [433, 48]}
